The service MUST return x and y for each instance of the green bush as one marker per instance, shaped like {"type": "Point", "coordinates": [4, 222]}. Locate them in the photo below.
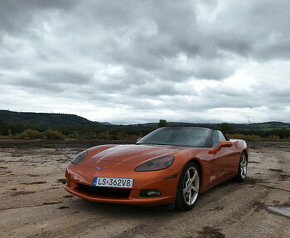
{"type": "Point", "coordinates": [53, 134]}
{"type": "Point", "coordinates": [162, 123]}
{"type": "Point", "coordinates": [30, 134]}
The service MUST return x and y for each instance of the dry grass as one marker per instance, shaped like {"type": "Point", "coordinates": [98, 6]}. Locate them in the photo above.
{"type": "Point", "coordinates": [256, 137]}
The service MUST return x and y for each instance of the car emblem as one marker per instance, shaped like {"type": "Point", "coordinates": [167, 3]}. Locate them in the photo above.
{"type": "Point", "coordinates": [98, 168]}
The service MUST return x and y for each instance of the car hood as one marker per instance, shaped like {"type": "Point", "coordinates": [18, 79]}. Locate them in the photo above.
{"type": "Point", "coordinates": [117, 161]}
{"type": "Point", "coordinates": [131, 154]}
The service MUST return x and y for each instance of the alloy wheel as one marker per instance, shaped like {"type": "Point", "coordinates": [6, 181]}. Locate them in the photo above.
{"type": "Point", "coordinates": [243, 166]}
{"type": "Point", "coordinates": [191, 186]}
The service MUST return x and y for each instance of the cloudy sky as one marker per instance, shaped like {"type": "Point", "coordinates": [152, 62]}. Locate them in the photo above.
{"type": "Point", "coordinates": [136, 61]}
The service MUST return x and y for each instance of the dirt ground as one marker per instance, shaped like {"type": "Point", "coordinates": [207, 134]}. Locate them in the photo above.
{"type": "Point", "coordinates": [33, 202]}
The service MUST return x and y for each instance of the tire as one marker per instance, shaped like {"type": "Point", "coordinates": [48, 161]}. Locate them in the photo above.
{"type": "Point", "coordinates": [187, 194]}
{"type": "Point", "coordinates": [242, 171]}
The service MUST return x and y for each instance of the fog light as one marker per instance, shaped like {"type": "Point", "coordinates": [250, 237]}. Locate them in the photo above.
{"type": "Point", "coordinates": [150, 193]}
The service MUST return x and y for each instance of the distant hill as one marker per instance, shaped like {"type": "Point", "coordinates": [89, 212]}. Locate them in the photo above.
{"type": "Point", "coordinates": [107, 123]}
{"type": "Point", "coordinates": [47, 119]}
{"type": "Point", "coordinates": [262, 126]}
{"type": "Point", "coordinates": [71, 120]}
{"type": "Point", "coordinates": [253, 126]}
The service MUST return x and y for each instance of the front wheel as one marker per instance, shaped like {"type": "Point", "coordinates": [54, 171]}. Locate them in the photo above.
{"type": "Point", "coordinates": [188, 187]}
{"type": "Point", "coordinates": [242, 171]}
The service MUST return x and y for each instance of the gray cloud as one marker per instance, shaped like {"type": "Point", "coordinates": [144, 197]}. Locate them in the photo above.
{"type": "Point", "coordinates": [199, 60]}
{"type": "Point", "coordinates": [15, 15]}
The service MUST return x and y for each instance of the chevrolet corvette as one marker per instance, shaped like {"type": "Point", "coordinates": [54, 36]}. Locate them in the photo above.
{"type": "Point", "coordinates": [171, 165]}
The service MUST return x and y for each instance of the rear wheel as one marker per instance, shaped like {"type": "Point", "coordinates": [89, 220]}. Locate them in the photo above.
{"type": "Point", "coordinates": [188, 187]}
{"type": "Point", "coordinates": [242, 171]}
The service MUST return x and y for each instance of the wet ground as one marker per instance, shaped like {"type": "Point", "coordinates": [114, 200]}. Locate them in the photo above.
{"type": "Point", "coordinates": [33, 202]}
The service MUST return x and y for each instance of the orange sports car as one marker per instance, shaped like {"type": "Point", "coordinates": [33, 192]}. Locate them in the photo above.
{"type": "Point", "coordinates": [170, 165]}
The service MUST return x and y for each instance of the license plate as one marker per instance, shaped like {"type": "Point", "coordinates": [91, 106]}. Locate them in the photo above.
{"type": "Point", "coordinates": [113, 182]}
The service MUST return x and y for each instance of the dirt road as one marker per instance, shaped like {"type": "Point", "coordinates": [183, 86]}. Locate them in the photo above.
{"type": "Point", "coordinates": [33, 202]}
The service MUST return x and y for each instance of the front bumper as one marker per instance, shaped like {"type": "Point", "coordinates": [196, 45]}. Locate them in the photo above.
{"type": "Point", "coordinates": [166, 181]}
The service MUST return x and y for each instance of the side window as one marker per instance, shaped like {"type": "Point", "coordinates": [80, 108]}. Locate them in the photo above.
{"type": "Point", "coordinates": [221, 136]}
{"type": "Point", "coordinates": [217, 137]}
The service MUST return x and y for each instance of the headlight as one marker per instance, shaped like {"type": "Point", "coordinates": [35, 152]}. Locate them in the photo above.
{"type": "Point", "coordinates": [156, 164]}
{"type": "Point", "coordinates": [80, 157]}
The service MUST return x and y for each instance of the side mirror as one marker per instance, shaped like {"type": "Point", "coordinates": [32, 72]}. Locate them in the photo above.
{"type": "Point", "coordinates": [221, 144]}
{"type": "Point", "coordinates": [224, 144]}
{"type": "Point", "coordinates": [139, 139]}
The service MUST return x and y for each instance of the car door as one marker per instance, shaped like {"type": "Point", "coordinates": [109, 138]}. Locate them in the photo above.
{"type": "Point", "coordinates": [223, 157]}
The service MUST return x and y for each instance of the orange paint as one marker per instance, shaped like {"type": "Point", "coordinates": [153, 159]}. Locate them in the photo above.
{"type": "Point", "coordinates": [216, 164]}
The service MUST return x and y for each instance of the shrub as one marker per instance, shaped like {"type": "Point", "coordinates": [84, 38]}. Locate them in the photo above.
{"type": "Point", "coordinates": [53, 134]}
{"type": "Point", "coordinates": [30, 134]}
{"type": "Point", "coordinates": [162, 123]}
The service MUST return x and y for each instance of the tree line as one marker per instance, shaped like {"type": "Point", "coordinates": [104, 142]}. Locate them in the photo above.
{"type": "Point", "coordinates": [36, 131]}
{"type": "Point", "coordinates": [250, 134]}
{"type": "Point", "coordinates": [119, 132]}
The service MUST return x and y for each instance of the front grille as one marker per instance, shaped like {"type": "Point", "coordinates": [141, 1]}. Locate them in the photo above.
{"type": "Point", "coordinates": [105, 192]}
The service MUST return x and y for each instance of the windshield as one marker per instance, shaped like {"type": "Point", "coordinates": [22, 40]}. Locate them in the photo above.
{"type": "Point", "coordinates": [178, 136]}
